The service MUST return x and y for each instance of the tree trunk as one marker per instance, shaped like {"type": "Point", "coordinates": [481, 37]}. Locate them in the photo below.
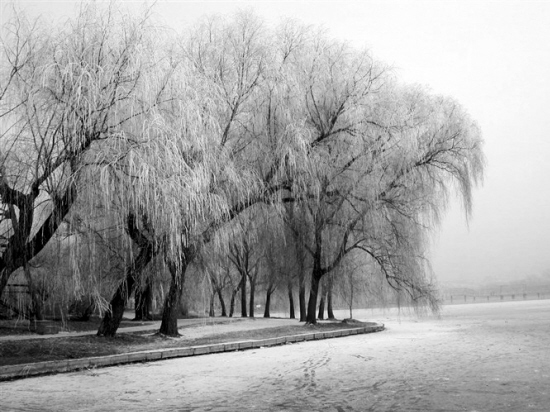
{"type": "Point", "coordinates": [36, 299]}
{"type": "Point", "coordinates": [113, 317]}
{"type": "Point", "coordinates": [21, 248]}
{"type": "Point", "coordinates": [222, 303]}
{"type": "Point", "coordinates": [252, 291]}
{"type": "Point", "coordinates": [243, 296]}
{"type": "Point", "coordinates": [232, 302]}
{"type": "Point", "coordinates": [37, 305]}
{"type": "Point", "coordinates": [321, 314]}
{"type": "Point", "coordinates": [144, 301]}
{"type": "Point", "coordinates": [302, 302]}
{"type": "Point", "coordinates": [351, 299]}
{"type": "Point", "coordinates": [211, 312]}
{"type": "Point", "coordinates": [329, 298]}
{"type": "Point", "coordinates": [312, 303]}
{"type": "Point", "coordinates": [169, 324]}
{"type": "Point", "coordinates": [267, 313]}
{"type": "Point", "coordinates": [291, 301]}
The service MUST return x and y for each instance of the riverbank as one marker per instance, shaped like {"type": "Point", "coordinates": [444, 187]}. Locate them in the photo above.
{"type": "Point", "coordinates": [24, 356]}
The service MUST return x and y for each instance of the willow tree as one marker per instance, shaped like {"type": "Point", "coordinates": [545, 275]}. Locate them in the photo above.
{"type": "Point", "coordinates": [291, 116]}
{"type": "Point", "coordinates": [377, 164]}
{"type": "Point", "coordinates": [187, 177]}
{"type": "Point", "coordinates": [251, 117]}
{"type": "Point", "coordinates": [222, 133]}
{"type": "Point", "coordinates": [223, 63]}
{"type": "Point", "coordinates": [384, 192]}
{"type": "Point", "coordinates": [71, 91]}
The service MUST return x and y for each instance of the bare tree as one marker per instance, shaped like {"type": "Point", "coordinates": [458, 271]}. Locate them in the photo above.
{"type": "Point", "coordinates": [246, 260]}
{"type": "Point", "coordinates": [299, 254]}
{"type": "Point", "coordinates": [216, 267]}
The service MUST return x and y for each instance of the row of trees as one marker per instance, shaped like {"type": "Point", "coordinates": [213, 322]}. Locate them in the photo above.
{"type": "Point", "coordinates": [188, 149]}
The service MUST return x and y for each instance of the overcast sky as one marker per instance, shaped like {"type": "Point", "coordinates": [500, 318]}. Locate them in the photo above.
{"type": "Point", "coordinates": [494, 58]}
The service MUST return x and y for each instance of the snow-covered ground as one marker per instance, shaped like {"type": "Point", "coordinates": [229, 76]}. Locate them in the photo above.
{"type": "Point", "coordinates": [475, 357]}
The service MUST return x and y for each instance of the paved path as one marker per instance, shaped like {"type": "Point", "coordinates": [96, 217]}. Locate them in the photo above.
{"type": "Point", "coordinates": [478, 357]}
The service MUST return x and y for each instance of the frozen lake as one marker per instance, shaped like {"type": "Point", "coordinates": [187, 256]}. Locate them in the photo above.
{"type": "Point", "coordinates": [475, 357]}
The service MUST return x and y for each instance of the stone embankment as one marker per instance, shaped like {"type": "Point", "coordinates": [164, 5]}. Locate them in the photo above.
{"type": "Point", "coordinates": [10, 372]}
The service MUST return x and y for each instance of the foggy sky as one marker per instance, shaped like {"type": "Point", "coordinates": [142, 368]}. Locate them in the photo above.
{"type": "Point", "coordinates": [494, 58]}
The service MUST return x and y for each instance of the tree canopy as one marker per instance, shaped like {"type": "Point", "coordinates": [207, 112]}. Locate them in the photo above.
{"type": "Point", "coordinates": [177, 135]}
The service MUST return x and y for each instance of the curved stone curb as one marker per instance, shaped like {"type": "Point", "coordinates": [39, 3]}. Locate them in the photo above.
{"type": "Point", "coordinates": [27, 370]}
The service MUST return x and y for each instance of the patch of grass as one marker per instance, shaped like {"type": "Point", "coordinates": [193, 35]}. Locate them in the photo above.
{"type": "Point", "coordinates": [22, 327]}
{"type": "Point", "coordinates": [57, 348]}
